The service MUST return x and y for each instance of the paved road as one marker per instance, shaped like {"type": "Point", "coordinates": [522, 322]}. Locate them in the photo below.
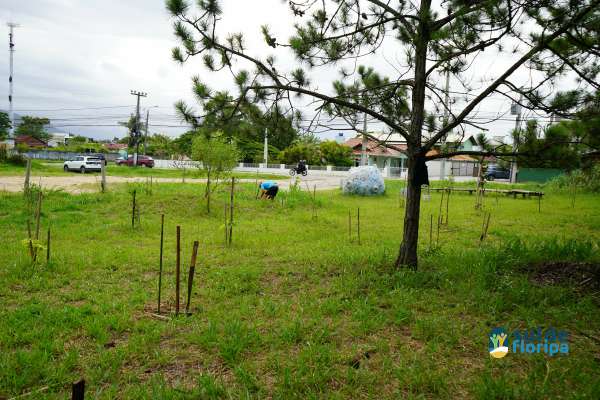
{"type": "Point", "coordinates": [91, 183]}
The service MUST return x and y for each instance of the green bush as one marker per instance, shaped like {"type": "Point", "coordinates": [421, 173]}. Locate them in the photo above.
{"type": "Point", "coordinates": [587, 181]}
{"type": "Point", "coordinates": [14, 159]}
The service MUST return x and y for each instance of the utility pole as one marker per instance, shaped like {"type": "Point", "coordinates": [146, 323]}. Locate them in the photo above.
{"type": "Point", "coordinates": [516, 109]}
{"type": "Point", "coordinates": [445, 122]}
{"type": "Point", "coordinates": [146, 130]}
{"type": "Point", "coordinates": [11, 50]}
{"type": "Point", "coordinates": [363, 152]}
{"type": "Point", "coordinates": [266, 150]}
{"type": "Point", "coordinates": [137, 126]}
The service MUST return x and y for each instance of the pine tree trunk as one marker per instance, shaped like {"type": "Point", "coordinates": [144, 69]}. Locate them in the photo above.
{"type": "Point", "coordinates": [408, 249]}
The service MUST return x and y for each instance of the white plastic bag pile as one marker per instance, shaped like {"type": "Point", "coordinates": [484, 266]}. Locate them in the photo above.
{"type": "Point", "coordinates": [365, 181]}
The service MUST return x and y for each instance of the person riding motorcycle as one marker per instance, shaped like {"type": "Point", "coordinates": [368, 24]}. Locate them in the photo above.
{"type": "Point", "coordinates": [301, 167]}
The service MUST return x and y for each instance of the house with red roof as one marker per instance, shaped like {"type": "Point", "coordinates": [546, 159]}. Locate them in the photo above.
{"type": "Point", "coordinates": [30, 141]}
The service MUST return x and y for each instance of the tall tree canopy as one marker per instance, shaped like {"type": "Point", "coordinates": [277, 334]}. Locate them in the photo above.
{"type": "Point", "coordinates": [550, 40]}
{"type": "Point", "coordinates": [243, 122]}
{"type": "Point", "coordinates": [4, 125]}
{"type": "Point", "coordinates": [33, 126]}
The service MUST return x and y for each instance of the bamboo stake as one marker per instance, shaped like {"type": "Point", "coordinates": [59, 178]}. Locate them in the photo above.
{"type": "Point", "coordinates": [358, 224]}
{"type": "Point", "coordinates": [160, 263]}
{"type": "Point", "coordinates": [191, 276]}
{"type": "Point", "coordinates": [484, 227]}
{"type": "Point", "coordinates": [539, 204]}
{"type": "Point", "coordinates": [226, 227]}
{"type": "Point", "coordinates": [349, 226]}
{"type": "Point", "coordinates": [441, 203]}
{"type": "Point", "coordinates": [447, 203]}
{"type": "Point", "coordinates": [438, 230]}
{"type": "Point", "coordinates": [314, 202]}
{"type": "Point", "coordinates": [231, 199]}
{"type": "Point", "coordinates": [38, 214]}
{"type": "Point", "coordinates": [430, 231]}
{"type": "Point", "coordinates": [177, 270]}
{"type": "Point", "coordinates": [30, 240]}
{"type": "Point", "coordinates": [48, 246]}
{"type": "Point", "coordinates": [257, 185]}
{"type": "Point", "coordinates": [133, 210]}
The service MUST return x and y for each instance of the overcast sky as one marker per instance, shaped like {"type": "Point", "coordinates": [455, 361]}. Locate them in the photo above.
{"type": "Point", "coordinates": [76, 54]}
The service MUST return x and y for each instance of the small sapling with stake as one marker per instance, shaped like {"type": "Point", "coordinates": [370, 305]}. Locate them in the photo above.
{"type": "Point", "coordinates": [191, 277]}
{"type": "Point", "coordinates": [177, 270]}
{"type": "Point", "coordinates": [160, 263]}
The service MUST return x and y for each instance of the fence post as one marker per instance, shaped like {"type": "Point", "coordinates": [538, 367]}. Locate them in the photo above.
{"type": "Point", "coordinates": [78, 390]}
{"type": "Point", "coordinates": [103, 181]}
{"type": "Point", "coordinates": [27, 176]}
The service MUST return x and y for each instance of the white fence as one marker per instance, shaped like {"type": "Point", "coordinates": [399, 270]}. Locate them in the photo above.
{"type": "Point", "coordinates": [457, 169]}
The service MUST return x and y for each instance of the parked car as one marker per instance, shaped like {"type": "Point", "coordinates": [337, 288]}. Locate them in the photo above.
{"type": "Point", "coordinates": [496, 172]}
{"type": "Point", "coordinates": [83, 164]}
{"type": "Point", "coordinates": [101, 156]}
{"type": "Point", "coordinates": [143, 161]}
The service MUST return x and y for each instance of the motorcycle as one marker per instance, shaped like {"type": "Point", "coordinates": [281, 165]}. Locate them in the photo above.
{"type": "Point", "coordinates": [300, 171]}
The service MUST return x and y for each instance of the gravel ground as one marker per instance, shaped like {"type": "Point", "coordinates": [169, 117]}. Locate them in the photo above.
{"type": "Point", "coordinates": [91, 183]}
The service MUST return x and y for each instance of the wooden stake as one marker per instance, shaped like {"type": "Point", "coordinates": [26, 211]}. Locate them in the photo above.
{"type": "Point", "coordinates": [430, 231]}
{"type": "Point", "coordinates": [78, 390]}
{"type": "Point", "coordinates": [441, 203]}
{"type": "Point", "coordinates": [484, 227]}
{"type": "Point", "coordinates": [177, 270]}
{"type": "Point", "coordinates": [160, 262]}
{"type": "Point", "coordinates": [438, 230]}
{"type": "Point", "coordinates": [48, 246]}
{"type": "Point", "coordinates": [226, 227]}
{"type": "Point", "coordinates": [349, 226]}
{"type": "Point", "coordinates": [231, 199]}
{"type": "Point", "coordinates": [38, 214]}
{"type": "Point", "coordinates": [133, 210]}
{"type": "Point", "coordinates": [447, 203]}
{"type": "Point", "coordinates": [314, 201]}
{"type": "Point", "coordinates": [358, 224]}
{"type": "Point", "coordinates": [487, 224]}
{"type": "Point", "coordinates": [30, 240]}
{"type": "Point", "coordinates": [539, 204]}
{"type": "Point", "coordinates": [257, 185]}
{"type": "Point", "coordinates": [191, 276]}
{"type": "Point", "coordinates": [27, 177]}
{"type": "Point", "coordinates": [103, 181]}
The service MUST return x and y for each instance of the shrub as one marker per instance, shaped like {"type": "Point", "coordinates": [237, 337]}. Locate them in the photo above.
{"type": "Point", "coordinates": [17, 159]}
{"type": "Point", "coordinates": [587, 181]}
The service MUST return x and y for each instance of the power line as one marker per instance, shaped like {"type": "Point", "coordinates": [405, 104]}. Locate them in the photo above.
{"type": "Point", "coordinates": [76, 109]}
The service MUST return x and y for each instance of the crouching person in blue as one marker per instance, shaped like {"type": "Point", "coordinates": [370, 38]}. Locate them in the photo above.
{"type": "Point", "coordinates": [268, 190]}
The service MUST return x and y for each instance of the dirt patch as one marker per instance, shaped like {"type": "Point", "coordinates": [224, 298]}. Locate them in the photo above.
{"type": "Point", "coordinates": [81, 183]}
{"type": "Point", "coordinates": [579, 275]}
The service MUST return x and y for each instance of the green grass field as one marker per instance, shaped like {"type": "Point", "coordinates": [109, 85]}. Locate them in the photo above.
{"type": "Point", "coordinates": [45, 168]}
{"type": "Point", "coordinates": [293, 309]}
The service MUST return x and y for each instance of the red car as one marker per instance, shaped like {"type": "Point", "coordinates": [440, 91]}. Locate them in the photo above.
{"type": "Point", "coordinates": [142, 161]}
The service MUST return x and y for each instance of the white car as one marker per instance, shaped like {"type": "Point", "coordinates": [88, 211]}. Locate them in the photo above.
{"type": "Point", "coordinates": [83, 164]}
